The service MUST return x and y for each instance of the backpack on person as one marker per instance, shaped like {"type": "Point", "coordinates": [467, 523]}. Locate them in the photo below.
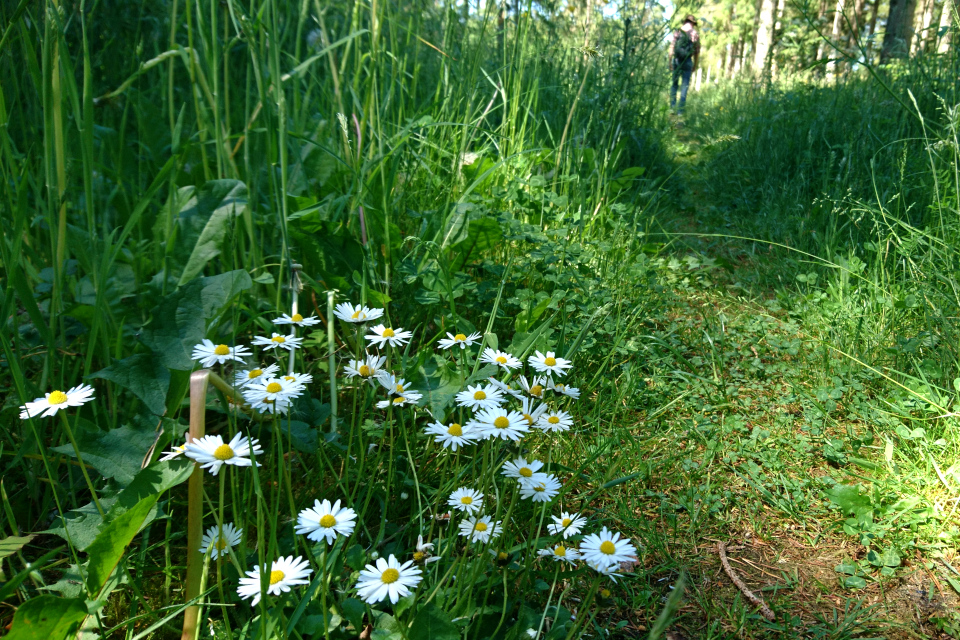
{"type": "Point", "coordinates": [683, 46]}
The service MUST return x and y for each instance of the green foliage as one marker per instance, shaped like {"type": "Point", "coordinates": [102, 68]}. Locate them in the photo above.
{"type": "Point", "coordinates": [47, 618]}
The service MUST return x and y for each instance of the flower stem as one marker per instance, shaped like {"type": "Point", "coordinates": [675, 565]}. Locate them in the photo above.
{"type": "Point", "coordinates": [83, 467]}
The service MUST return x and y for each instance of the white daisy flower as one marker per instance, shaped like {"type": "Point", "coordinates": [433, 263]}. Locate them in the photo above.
{"type": "Point", "coordinates": [355, 313]}
{"type": "Point", "coordinates": [175, 452]}
{"type": "Point", "coordinates": [454, 435]}
{"type": "Point", "coordinates": [480, 529]}
{"type": "Point", "coordinates": [607, 548]}
{"type": "Point", "coordinates": [277, 341]}
{"type": "Point", "coordinates": [522, 470]}
{"type": "Point", "coordinates": [561, 553]}
{"type": "Point", "coordinates": [466, 500]}
{"type": "Point", "coordinates": [480, 397]}
{"type": "Point", "coordinates": [559, 387]}
{"type": "Point", "coordinates": [531, 411]}
{"type": "Point", "coordinates": [297, 319]}
{"type": "Point", "coordinates": [369, 368]}
{"type": "Point", "coordinates": [541, 489]}
{"type": "Point", "coordinates": [212, 452]}
{"type": "Point", "coordinates": [609, 570]}
{"type": "Point", "coordinates": [549, 363]}
{"type": "Point", "coordinates": [219, 545]}
{"type": "Point", "coordinates": [326, 521]}
{"type": "Point", "coordinates": [460, 339]}
{"type": "Point", "coordinates": [393, 384]}
{"type": "Point", "coordinates": [284, 574]}
{"type": "Point", "coordinates": [555, 421]}
{"type": "Point", "coordinates": [387, 579]}
{"type": "Point", "coordinates": [506, 388]}
{"type": "Point", "coordinates": [569, 524]}
{"type": "Point", "coordinates": [535, 387]}
{"type": "Point", "coordinates": [424, 552]}
{"type": "Point", "coordinates": [272, 389]}
{"type": "Point", "coordinates": [500, 423]}
{"type": "Point", "coordinates": [280, 406]}
{"type": "Point", "coordinates": [298, 379]}
{"type": "Point", "coordinates": [500, 358]}
{"type": "Point", "coordinates": [383, 335]}
{"type": "Point", "coordinates": [247, 376]}
{"type": "Point", "coordinates": [408, 397]}
{"type": "Point", "coordinates": [56, 400]}
{"type": "Point", "coordinates": [210, 354]}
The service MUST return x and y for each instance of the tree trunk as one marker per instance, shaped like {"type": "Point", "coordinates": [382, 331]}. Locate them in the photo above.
{"type": "Point", "coordinates": [856, 30]}
{"type": "Point", "coordinates": [946, 26]}
{"type": "Point", "coordinates": [820, 44]}
{"type": "Point", "coordinates": [835, 39]}
{"type": "Point", "coordinates": [777, 33]}
{"type": "Point", "coordinates": [899, 30]}
{"type": "Point", "coordinates": [764, 38]}
{"type": "Point", "coordinates": [923, 16]}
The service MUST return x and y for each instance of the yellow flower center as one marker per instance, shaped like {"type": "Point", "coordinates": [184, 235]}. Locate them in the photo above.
{"type": "Point", "coordinates": [526, 472]}
{"type": "Point", "coordinates": [399, 388]}
{"type": "Point", "coordinates": [536, 390]}
{"type": "Point", "coordinates": [550, 362]}
{"type": "Point", "coordinates": [297, 317]}
{"type": "Point", "coordinates": [540, 487]}
{"type": "Point", "coordinates": [278, 339]}
{"type": "Point", "coordinates": [223, 452]}
{"type": "Point", "coordinates": [221, 544]}
{"type": "Point", "coordinates": [365, 371]}
{"type": "Point", "coordinates": [553, 420]}
{"type": "Point", "coordinates": [608, 548]}
{"type": "Point", "coordinates": [289, 378]}
{"type": "Point", "coordinates": [455, 430]}
{"type": "Point", "coordinates": [274, 387]}
{"type": "Point", "coordinates": [480, 526]}
{"type": "Point", "coordinates": [222, 350]}
{"type": "Point", "coordinates": [276, 576]}
{"type": "Point", "coordinates": [502, 556]}
{"type": "Point", "coordinates": [605, 593]}
{"type": "Point", "coordinates": [399, 400]}
{"type": "Point", "coordinates": [501, 423]}
{"type": "Point", "coordinates": [388, 333]}
{"type": "Point", "coordinates": [559, 387]}
{"type": "Point", "coordinates": [57, 397]}
{"type": "Point", "coordinates": [460, 337]}
{"type": "Point", "coordinates": [419, 556]}
{"type": "Point", "coordinates": [466, 500]}
{"type": "Point", "coordinates": [529, 418]}
{"type": "Point", "coordinates": [254, 373]}
{"type": "Point", "coordinates": [480, 395]}
{"type": "Point", "coordinates": [389, 576]}
{"type": "Point", "coordinates": [501, 360]}
{"type": "Point", "coordinates": [328, 521]}
{"type": "Point", "coordinates": [566, 522]}
{"type": "Point", "coordinates": [560, 551]}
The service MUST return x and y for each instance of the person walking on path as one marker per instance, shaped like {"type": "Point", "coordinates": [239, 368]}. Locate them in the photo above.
{"type": "Point", "coordinates": [684, 58]}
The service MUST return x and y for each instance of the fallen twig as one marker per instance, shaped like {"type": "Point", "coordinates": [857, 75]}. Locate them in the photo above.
{"type": "Point", "coordinates": [765, 611]}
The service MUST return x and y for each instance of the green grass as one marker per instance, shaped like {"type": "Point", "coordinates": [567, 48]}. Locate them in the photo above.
{"type": "Point", "coordinates": [760, 308]}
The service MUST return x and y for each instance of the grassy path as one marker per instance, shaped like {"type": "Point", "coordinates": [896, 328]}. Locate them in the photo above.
{"type": "Point", "coordinates": [747, 423]}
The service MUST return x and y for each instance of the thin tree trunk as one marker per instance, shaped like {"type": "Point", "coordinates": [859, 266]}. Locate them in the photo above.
{"type": "Point", "coordinates": [925, 19]}
{"type": "Point", "coordinates": [835, 40]}
{"type": "Point", "coordinates": [946, 24]}
{"type": "Point", "coordinates": [899, 30]}
{"type": "Point", "coordinates": [821, 19]}
{"type": "Point", "coordinates": [764, 38]}
{"type": "Point", "coordinates": [777, 34]}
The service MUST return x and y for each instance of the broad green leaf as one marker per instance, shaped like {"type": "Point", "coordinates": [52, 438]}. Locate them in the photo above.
{"type": "Point", "coordinates": [144, 375]}
{"type": "Point", "coordinates": [112, 541]}
{"type": "Point", "coordinates": [483, 235]}
{"type": "Point", "coordinates": [208, 214]}
{"type": "Point", "coordinates": [848, 498]}
{"type": "Point", "coordinates": [854, 582]}
{"type": "Point", "coordinates": [117, 453]}
{"type": "Point", "coordinates": [180, 320]}
{"type": "Point", "coordinates": [457, 225]}
{"type": "Point", "coordinates": [353, 610]}
{"type": "Point", "coordinates": [433, 623]}
{"type": "Point", "coordinates": [47, 618]}
{"type": "Point", "coordinates": [9, 546]}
